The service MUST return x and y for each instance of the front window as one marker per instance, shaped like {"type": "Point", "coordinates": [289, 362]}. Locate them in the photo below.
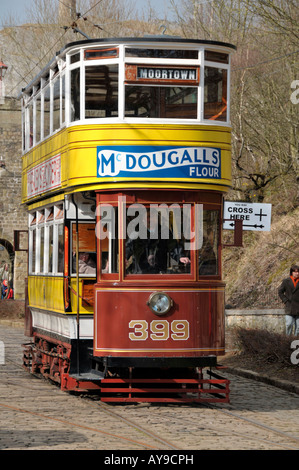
{"type": "Point", "coordinates": [157, 238]}
{"type": "Point", "coordinates": [161, 102]}
{"type": "Point", "coordinates": [155, 242]}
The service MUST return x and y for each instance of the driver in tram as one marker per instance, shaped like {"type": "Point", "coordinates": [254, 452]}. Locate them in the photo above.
{"type": "Point", "coordinates": [151, 254]}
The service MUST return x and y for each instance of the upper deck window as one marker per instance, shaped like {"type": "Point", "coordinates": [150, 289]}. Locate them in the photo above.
{"type": "Point", "coordinates": [75, 94]}
{"type": "Point", "coordinates": [214, 56]}
{"type": "Point", "coordinates": [215, 102]}
{"type": "Point", "coordinates": [75, 58]}
{"type": "Point", "coordinates": [38, 110]}
{"type": "Point", "coordinates": [47, 116]}
{"type": "Point", "coordinates": [128, 81]}
{"type": "Point", "coordinates": [161, 53]}
{"type": "Point", "coordinates": [105, 53]}
{"type": "Point", "coordinates": [161, 91]}
{"type": "Point", "coordinates": [56, 105]}
{"type": "Point", "coordinates": [161, 102]}
{"type": "Point", "coordinates": [101, 91]}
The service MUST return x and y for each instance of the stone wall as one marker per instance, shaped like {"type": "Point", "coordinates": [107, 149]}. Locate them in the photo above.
{"type": "Point", "coordinates": [12, 214]}
{"type": "Point", "coordinates": [268, 319]}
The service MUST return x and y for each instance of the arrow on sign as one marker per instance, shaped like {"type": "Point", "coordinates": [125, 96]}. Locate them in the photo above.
{"type": "Point", "coordinates": [246, 225]}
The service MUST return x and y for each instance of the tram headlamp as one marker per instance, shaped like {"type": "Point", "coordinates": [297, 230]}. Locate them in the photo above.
{"type": "Point", "coordinates": [159, 303]}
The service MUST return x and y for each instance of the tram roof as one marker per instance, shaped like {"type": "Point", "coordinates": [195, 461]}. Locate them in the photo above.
{"type": "Point", "coordinates": [147, 39]}
{"type": "Point", "coordinates": [162, 39]}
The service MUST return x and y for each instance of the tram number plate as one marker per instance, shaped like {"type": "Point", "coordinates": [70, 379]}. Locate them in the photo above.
{"type": "Point", "coordinates": [159, 330]}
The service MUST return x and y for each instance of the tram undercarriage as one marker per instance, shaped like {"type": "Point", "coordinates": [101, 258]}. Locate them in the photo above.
{"type": "Point", "coordinates": [125, 379]}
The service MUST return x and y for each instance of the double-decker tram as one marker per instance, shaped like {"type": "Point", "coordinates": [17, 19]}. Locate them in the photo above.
{"type": "Point", "coordinates": [126, 161]}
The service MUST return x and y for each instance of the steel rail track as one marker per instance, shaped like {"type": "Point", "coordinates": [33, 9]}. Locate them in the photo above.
{"type": "Point", "coordinates": [260, 425]}
{"type": "Point", "coordinates": [107, 409]}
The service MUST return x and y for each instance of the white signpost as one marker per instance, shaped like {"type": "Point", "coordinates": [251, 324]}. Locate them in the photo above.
{"type": "Point", "coordinates": [255, 216]}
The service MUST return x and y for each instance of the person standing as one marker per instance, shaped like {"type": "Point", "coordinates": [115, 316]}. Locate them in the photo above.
{"type": "Point", "coordinates": [5, 281]}
{"type": "Point", "coordinates": [288, 291]}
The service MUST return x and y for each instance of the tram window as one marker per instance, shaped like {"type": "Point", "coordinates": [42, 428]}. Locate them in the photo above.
{"type": "Point", "coordinates": [155, 242]}
{"type": "Point", "coordinates": [208, 253]}
{"type": "Point", "coordinates": [216, 56]}
{"type": "Point", "coordinates": [56, 105]}
{"type": "Point", "coordinates": [60, 249]}
{"type": "Point", "coordinates": [105, 53]}
{"type": "Point", "coordinates": [41, 248]}
{"type": "Point", "coordinates": [87, 248]}
{"type": "Point", "coordinates": [101, 91]}
{"type": "Point", "coordinates": [107, 231]}
{"type": "Point", "coordinates": [47, 111]}
{"type": "Point", "coordinates": [50, 249]}
{"type": "Point", "coordinates": [75, 58]}
{"type": "Point", "coordinates": [215, 101]}
{"type": "Point", "coordinates": [48, 241]}
{"type": "Point", "coordinates": [23, 129]}
{"type": "Point", "coordinates": [33, 250]}
{"type": "Point", "coordinates": [62, 99]}
{"type": "Point", "coordinates": [41, 241]}
{"type": "Point", "coordinates": [38, 119]}
{"type": "Point", "coordinates": [161, 102]}
{"type": "Point", "coordinates": [161, 53]}
{"type": "Point", "coordinates": [32, 242]}
{"type": "Point", "coordinates": [30, 117]}
{"type": "Point", "coordinates": [75, 94]}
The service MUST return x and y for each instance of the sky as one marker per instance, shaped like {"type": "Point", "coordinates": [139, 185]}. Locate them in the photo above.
{"type": "Point", "coordinates": [19, 7]}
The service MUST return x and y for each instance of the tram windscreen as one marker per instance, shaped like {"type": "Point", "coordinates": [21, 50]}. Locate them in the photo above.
{"type": "Point", "coordinates": [159, 241]}
{"type": "Point", "coordinates": [155, 242]}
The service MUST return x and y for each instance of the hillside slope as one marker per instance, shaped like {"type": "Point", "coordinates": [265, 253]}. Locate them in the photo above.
{"type": "Point", "coordinates": [254, 272]}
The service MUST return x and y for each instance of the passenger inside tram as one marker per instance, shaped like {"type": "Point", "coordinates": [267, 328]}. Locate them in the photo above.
{"type": "Point", "coordinates": [150, 251]}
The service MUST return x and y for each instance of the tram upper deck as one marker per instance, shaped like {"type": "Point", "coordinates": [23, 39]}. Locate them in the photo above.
{"type": "Point", "coordinates": [124, 113]}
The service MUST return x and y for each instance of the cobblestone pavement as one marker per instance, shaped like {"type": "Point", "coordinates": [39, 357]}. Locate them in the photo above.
{"type": "Point", "coordinates": [36, 415]}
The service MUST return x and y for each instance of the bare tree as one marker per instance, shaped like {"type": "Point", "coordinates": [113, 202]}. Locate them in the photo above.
{"type": "Point", "coordinates": [32, 46]}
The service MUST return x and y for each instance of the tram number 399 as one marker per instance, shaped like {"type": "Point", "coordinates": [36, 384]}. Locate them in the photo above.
{"type": "Point", "coordinates": [159, 330]}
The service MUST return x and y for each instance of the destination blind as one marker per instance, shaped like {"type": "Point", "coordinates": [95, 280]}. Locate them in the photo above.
{"type": "Point", "coordinates": [166, 75]}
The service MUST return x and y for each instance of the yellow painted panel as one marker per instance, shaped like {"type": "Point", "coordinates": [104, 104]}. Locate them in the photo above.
{"type": "Point", "coordinates": [82, 308]}
{"type": "Point", "coordinates": [77, 146]}
{"type": "Point", "coordinates": [46, 292]}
